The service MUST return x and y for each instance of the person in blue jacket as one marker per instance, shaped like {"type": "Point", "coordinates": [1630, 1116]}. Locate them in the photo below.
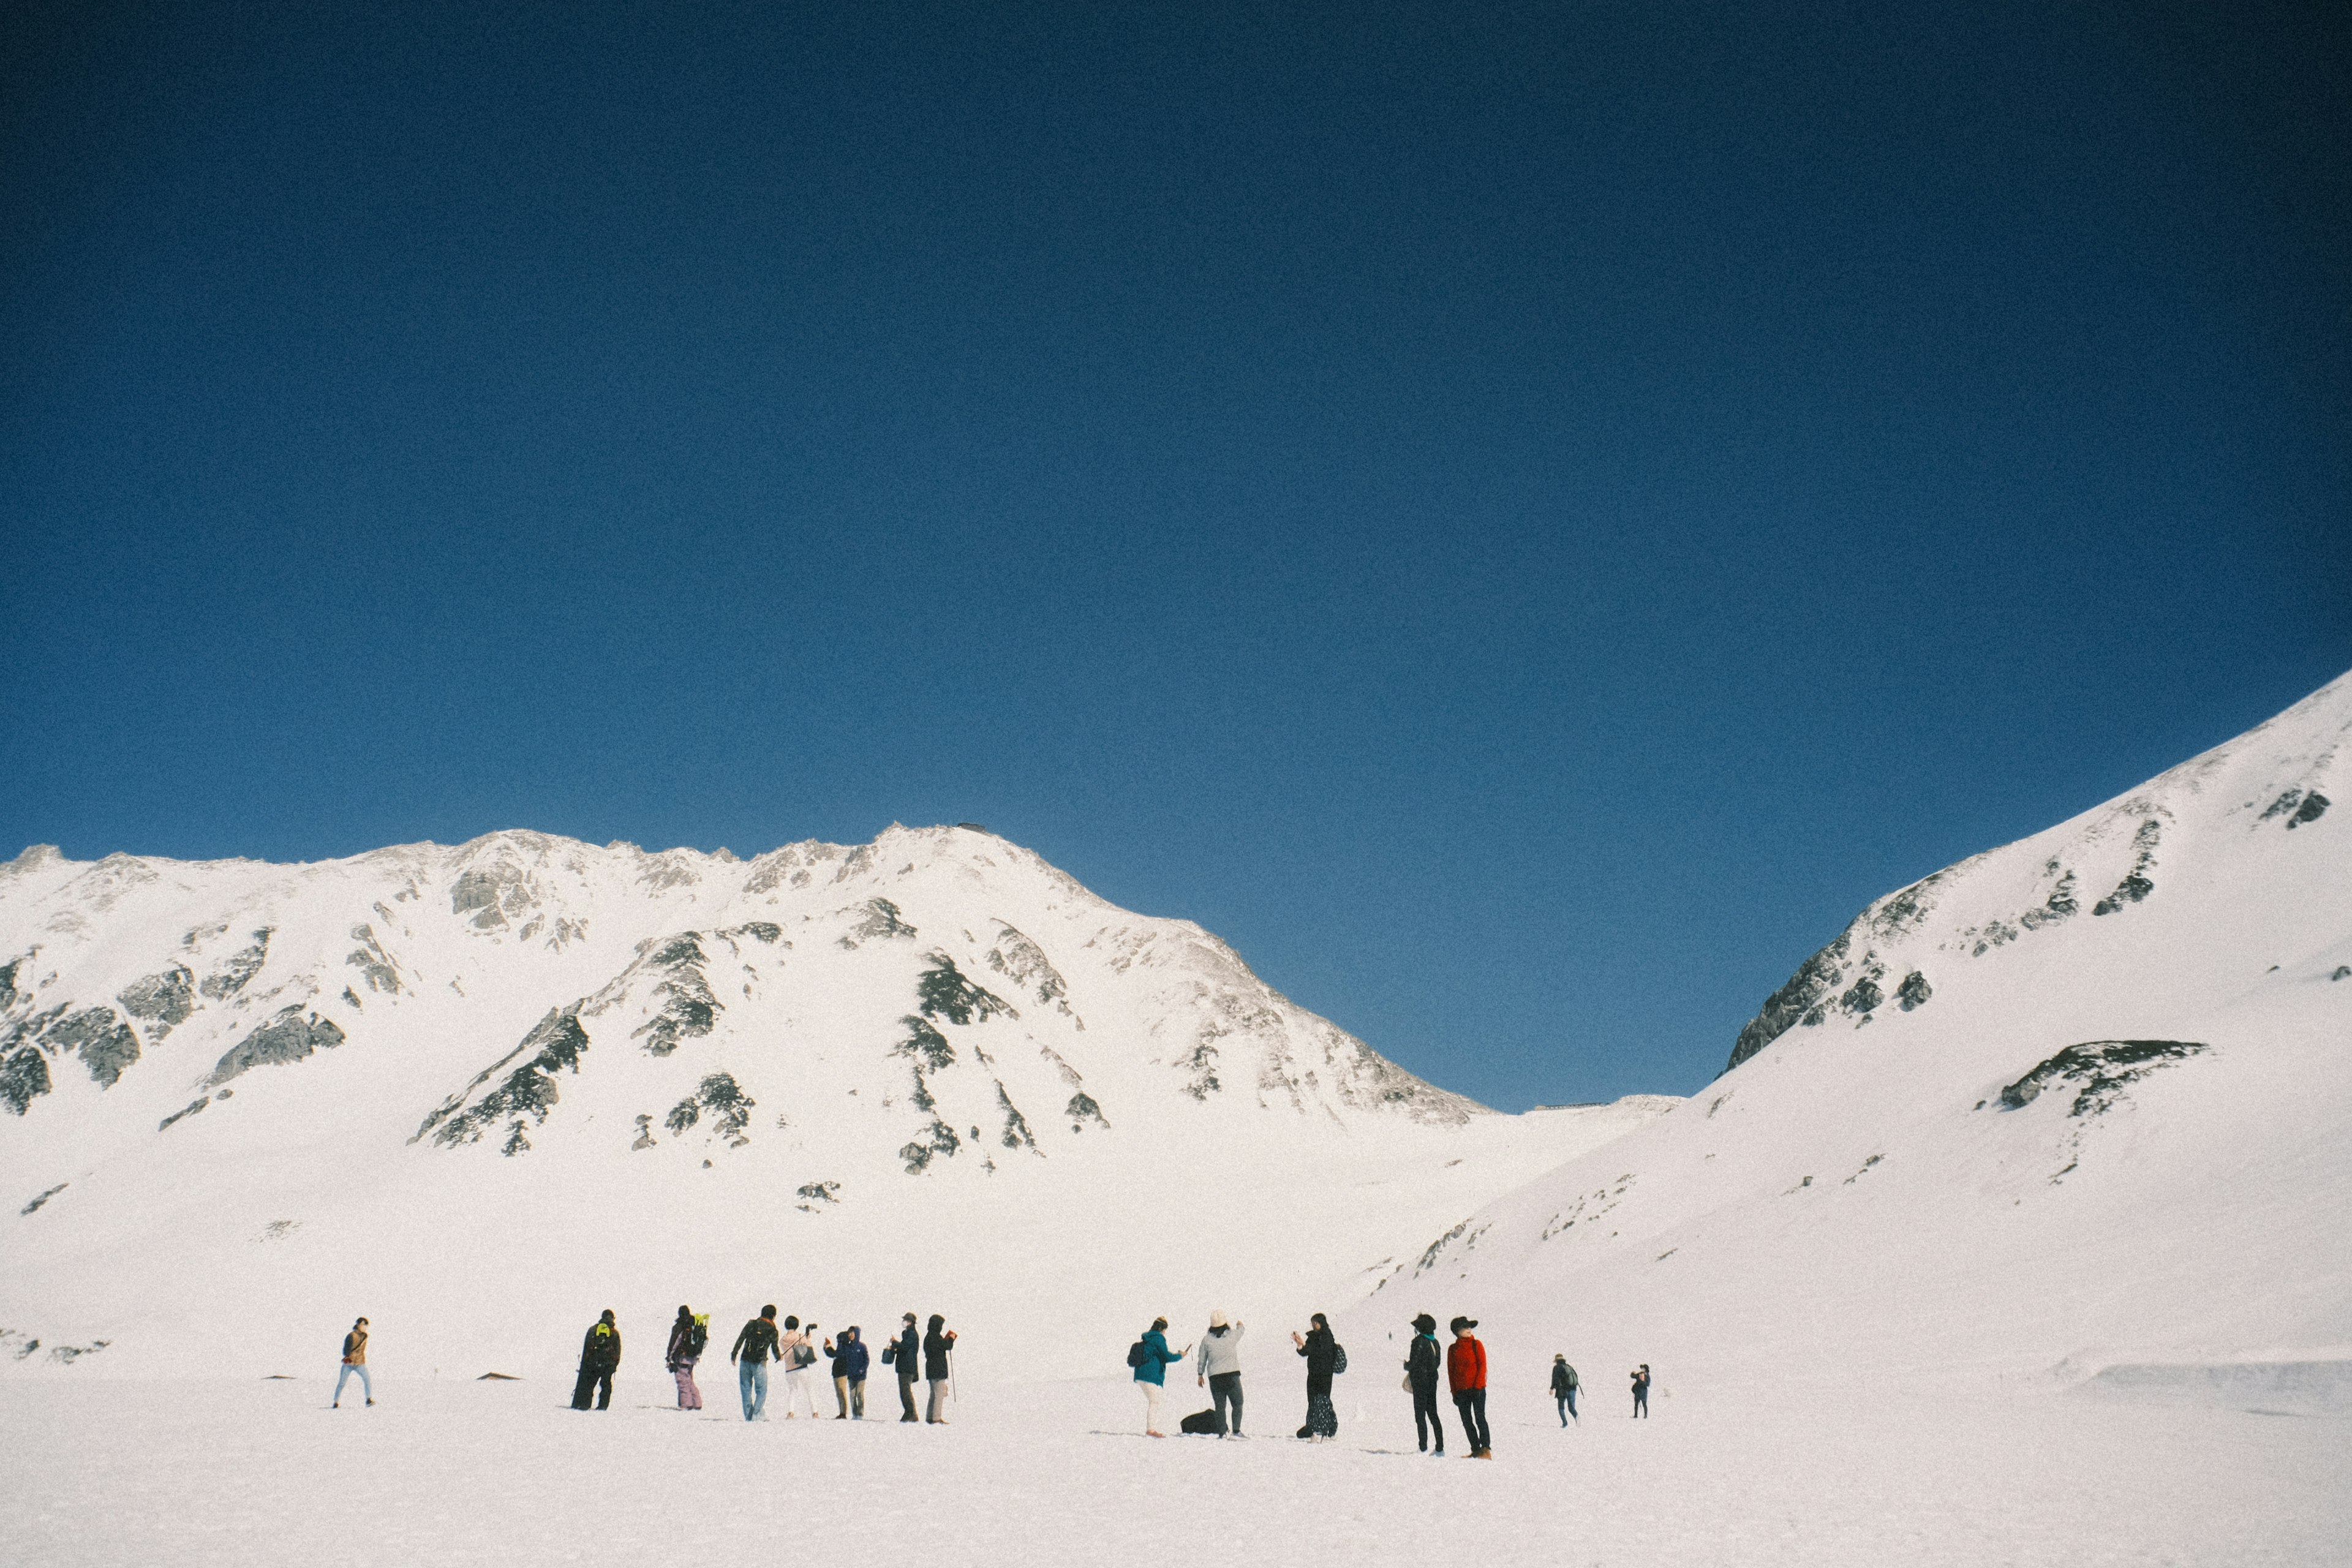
{"type": "Point", "coordinates": [1151, 1372]}
{"type": "Point", "coordinates": [849, 1363]}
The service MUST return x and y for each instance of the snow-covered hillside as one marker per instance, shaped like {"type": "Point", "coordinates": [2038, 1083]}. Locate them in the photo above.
{"type": "Point", "coordinates": [481, 1091]}
{"type": "Point", "coordinates": [2081, 1102]}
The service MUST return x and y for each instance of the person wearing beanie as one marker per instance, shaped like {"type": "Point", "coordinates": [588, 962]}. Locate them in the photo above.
{"type": "Point", "coordinates": [1465, 1372]}
{"type": "Point", "coordinates": [1420, 1376]}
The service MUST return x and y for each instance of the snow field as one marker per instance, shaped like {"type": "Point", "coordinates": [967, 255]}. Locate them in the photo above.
{"type": "Point", "coordinates": [262, 1473]}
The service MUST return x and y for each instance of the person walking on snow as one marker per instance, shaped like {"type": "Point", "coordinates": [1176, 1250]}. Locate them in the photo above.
{"type": "Point", "coordinates": [1420, 1376]}
{"type": "Point", "coordinates": [905, 1356]}
{"type": "Point", "coordinates": [938, 1367]}
{"type": "Point", "coordinates": [1151, 1358]}
{"type": "Point", "coordinates": [686, 1338]}
{"type": "Point", "coordinates": [1563, 1387]}
{"type": "Point", "coordinates": [796, 1351]}
{"type": "Point", "coordinates": [354, 1361]}
{"type": "Point", "coordinates": [1324, 1358]}
{"type": "Point", "coordinates": [600, 1358]}
{"type": "Point", "coordinates": [1642, 1392]}
{"type": "Point", "coordinates": [754, 1343]}
{"type": "Point", "coordinates": [1465, 1372]}
{"type": "Point", "coordinates": [1220, 1369]}
{"type": "Point", "coordinates": [849, 1374]}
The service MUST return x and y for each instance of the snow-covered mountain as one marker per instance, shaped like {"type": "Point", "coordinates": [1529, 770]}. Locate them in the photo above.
{"type": "Point", "coordinates": [2081, 1102]}
{"type": "Point", "coordinates": [492, 1087]}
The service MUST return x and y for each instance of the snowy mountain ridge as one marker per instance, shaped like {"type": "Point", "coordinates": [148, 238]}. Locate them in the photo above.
{"type": "Point", "coordinates": [908, 1037]}
{"type": "Point", "coordinates": [2075, 1108]}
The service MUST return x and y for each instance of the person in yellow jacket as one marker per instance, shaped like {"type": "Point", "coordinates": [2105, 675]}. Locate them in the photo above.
{"type": "Point", "coordinates": [354, 1361]}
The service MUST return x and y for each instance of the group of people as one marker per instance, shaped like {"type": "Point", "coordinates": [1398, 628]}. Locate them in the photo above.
{"type": "Point", "coordinates": [1464, 1363]}
{"type": "Point", "coordinates": [795, 1346]}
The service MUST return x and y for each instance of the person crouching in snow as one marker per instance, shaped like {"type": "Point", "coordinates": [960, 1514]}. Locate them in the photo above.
{"type": "Point", "coordinates": [1221, 1371]}
{"type": "Point", "coordinates": [354, 1361]}
{"type": "Point", "coordinates": [1324, 1358]}
{"type": "Point", "coordinates": [1151, 1358]}
{"type": "Point", "coordinates": [1465, 1372]}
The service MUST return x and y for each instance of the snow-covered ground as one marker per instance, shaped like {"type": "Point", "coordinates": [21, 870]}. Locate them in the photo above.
{"type": "Point", "coordinates": [253, 1473]}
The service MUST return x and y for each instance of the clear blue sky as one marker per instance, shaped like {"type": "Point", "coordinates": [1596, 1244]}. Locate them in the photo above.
{"type": "Point", "coordinates": [1522, 519]}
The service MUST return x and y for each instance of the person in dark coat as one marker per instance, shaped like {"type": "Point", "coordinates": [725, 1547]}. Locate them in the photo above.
{"type": "Point", "coordinates": [905, 1354]}
{"type": "Point", "coordinates": [1322, 1353]}
{"type": "Point", "coordinates": [1563, 1387]}
{"type": "Point", "coordinates": [1421, 1369]}
{"type": "Point", "coordinates": [848, 1373]}
{"type": "Point", "coordinates": [755, 1341]}
{"type": "Point", "coordinates": [938, 1357]}
{"type": "Point", "coordinates": [1642, 1390]}
{"type": "Point", "coordinates": [600, 1357]}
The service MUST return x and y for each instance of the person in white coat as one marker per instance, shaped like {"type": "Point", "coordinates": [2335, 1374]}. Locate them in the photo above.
{"type": "Point", "coordinates": [1220, 1369]}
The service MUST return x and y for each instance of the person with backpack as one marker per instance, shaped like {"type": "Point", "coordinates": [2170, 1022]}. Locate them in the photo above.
{"type": "Point", "coordinates": [938, 1367]}
{"type": "Point", "coordinates": [796, 1351]}
{"type": "Point", "coordinates": [1219, 1370]}
{"type": "Point", "coordinates": [1151, 1358]}
{"type": "Point", "coordinates": [1642, 1392]}
{"type": "Point", "coordinates": [1324, 1358]}
{"type": "Point", "coordinates": [687, 1336]}
{"type": "Point", "coordinates": [1420, 1376]}
{"type": "Point", "coordinates": [600, 1358]}
{"type": "Point", "coordinates": [904, 1356]}
{"type": "Point", "coordinates": [1465, 1372]}
{"type": "Point", "coordinates": [1563, 1387]}
{"type": "Point", "coordinates": [849, 1374]}
{"type": "Point", "coordinates": [354, 1361]}
{"type": "Point", "coordinates": [754, 1343]}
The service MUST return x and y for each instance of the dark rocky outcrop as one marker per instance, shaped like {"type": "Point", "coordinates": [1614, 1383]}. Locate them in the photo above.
{"type": "Point", "coordinates": [238, 967]}
{"type": "Point", "coordinates": [161, 1001]}
{"type": "Point", "coordinates": [289, 1037]}
{"type": "Point", "coordinates": [2102, 1070]}
{"type": "Point", "coordinates": [553, 1046]}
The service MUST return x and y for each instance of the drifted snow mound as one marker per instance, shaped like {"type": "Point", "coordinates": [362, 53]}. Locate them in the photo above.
{"type": "Point", "coordinates": [479, 1093]}
{"type": "Point", "coordinates": [2271, 1388]}
{"type": "Point", "coordinates": [2085, 1097]}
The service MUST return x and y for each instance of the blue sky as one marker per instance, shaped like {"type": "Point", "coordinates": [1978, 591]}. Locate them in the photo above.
{"type": "Point", "coordinates": [1521, 519]}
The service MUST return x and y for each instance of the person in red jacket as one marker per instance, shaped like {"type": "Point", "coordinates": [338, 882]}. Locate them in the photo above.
{"type": "Point", "coordinates": [1465, 1373]}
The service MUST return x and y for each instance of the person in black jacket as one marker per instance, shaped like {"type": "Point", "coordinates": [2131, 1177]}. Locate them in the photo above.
{"type": "Point", "coordinates": [1642, 1390]}
{"type": "Point", "coordinates": [905, 1354]}
{"type": "Point", "coordinates": [754, 1343]}
{"type": "Point", "coordinates": [1322, 1353]}
{"type": "Point", "coordinates": [1563, 1387]}
{"type": "Point", "coordinates": [1421, 1369]}
{"type": "Point", "coordinates": [600, 1357]}
{"type": "Point", "coordinates": [939, 1353]}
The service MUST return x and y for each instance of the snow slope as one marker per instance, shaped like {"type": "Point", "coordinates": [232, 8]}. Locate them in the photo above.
{"type": "Point", "coordinates": [2077, 1106]}
{"type": "Point", "coordinates": [481, 1092]}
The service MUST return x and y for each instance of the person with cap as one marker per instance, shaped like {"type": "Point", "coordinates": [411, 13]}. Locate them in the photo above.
{"type": "Point", "coordinates": [905, 1356]}
{"type": "Point", "coordinates": [354, 1361]}
{"type": "Point", "coordinates": [1465, 1373]}
{"type": "Point", "coordinates": [1221, 1370]}
{"type": "Point", "coordinates": [1563, 1387]}
{"type": "Point", "coordinates": [1420, 1376]}
{"type": "Point", "coordinates": [1151, 1358]}
{"type": "Point", "coordinates": [600, 1358]}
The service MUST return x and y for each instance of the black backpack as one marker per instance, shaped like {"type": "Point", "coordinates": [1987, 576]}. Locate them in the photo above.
{"type": "Point", "coordinates": [698, 1338]}
{"type": "Point", "coordinates": [1339, 1358]}
{"type": "Point", "coordinates": [1137, 1354]}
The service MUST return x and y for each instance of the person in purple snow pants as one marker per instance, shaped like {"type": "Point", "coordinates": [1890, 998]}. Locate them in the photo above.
{"type": "Point", "coordinates": [686, 1338]}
